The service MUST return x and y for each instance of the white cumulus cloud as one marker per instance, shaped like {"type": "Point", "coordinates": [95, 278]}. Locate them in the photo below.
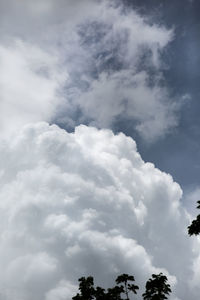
{"type": "Point", "coordinates": [85, 203]}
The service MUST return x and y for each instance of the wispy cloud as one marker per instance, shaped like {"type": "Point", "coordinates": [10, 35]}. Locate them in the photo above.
{"type": "Point", "coordinates": [112, 61]}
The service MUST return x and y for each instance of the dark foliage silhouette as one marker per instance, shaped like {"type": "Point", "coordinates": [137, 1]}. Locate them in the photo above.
{"type": "Point", "coordinates": [114, 293]}
{"type": "Point", "coordinates": [157, 288]}
{"type": "Point", "coordinates": [124, 285]}
{"type": "Point", "coordinates": [194, 228]}
{"type": "Point", "coordinates": [100, 293]}
{"type": "Point", "coordinates": [86, 288]}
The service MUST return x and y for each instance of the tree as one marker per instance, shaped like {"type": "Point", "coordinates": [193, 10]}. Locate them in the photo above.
{"type": "Point", "coordinates": [99, 293]}
{"type": "Point", "coordinates": [86, 287]}
{"type": "Point", "coordinates": [194, 228]}
{"type": "Point", "coordinates": [125, 286]}
{"type": "Point", "coordinates": [157, 288]}
{"type": "Point", "coordinates": [89, 292]}
{"type": "Point", "coordinates": [114, 293]}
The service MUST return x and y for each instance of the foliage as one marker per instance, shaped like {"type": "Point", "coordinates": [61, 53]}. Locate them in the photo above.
{"type": "Point", "coordinates": [125, 286]}
{"type": "Point", "coordinates": [194, 228]}
{"type": "Point", "coordinates": [157, 288]}
{"type": "Point", "coordinates": [89, 292]}
{"type": "Point", "coordinates": [86, 287]}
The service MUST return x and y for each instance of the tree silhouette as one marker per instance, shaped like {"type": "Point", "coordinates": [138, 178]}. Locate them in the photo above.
{"type": "Point", "coordinates": [114, 293]}
{"type": "Point", "coordinates": [194, 228]}
{"type": "Point", "coordinates": [100, 293]}
{"type": "Point", "coordinates": [157, 288]}
{"type": "Point", "coordinates": [125, 286]}
{"type": "Point", "coordinates": [86, 287]}
{"type": "Point", "coordinates": [89, 292]}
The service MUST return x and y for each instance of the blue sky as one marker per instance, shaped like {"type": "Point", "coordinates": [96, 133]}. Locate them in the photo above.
{"type": "Point", "coordinates": [99, 144]}
{"type": "Point", "coordinates": [178, 153]}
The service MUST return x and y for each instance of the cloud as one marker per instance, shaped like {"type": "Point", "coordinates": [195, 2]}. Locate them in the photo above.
{"type": "Point", "coordinates": [85, 203]}
{"type": "Point", "coordinates": [127, 95]}
{"type": "Point", "coordinates": [118, 73]}
{"type": "Point", "coordinates": [94, 63]}
{"type": "Point", "coordinates": [29, 81]}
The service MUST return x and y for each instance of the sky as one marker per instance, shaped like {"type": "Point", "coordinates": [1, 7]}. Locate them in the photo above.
{"type": "Point", "coordinates": [99, 144]}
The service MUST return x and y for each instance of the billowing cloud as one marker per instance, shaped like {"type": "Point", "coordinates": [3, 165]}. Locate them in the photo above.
{"type": "Point", "coordinates": [85, 203]}
{"type": "Point", "coordinates": [94, 63]}
{"type": "Point", "coordinates": [29, 81]}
